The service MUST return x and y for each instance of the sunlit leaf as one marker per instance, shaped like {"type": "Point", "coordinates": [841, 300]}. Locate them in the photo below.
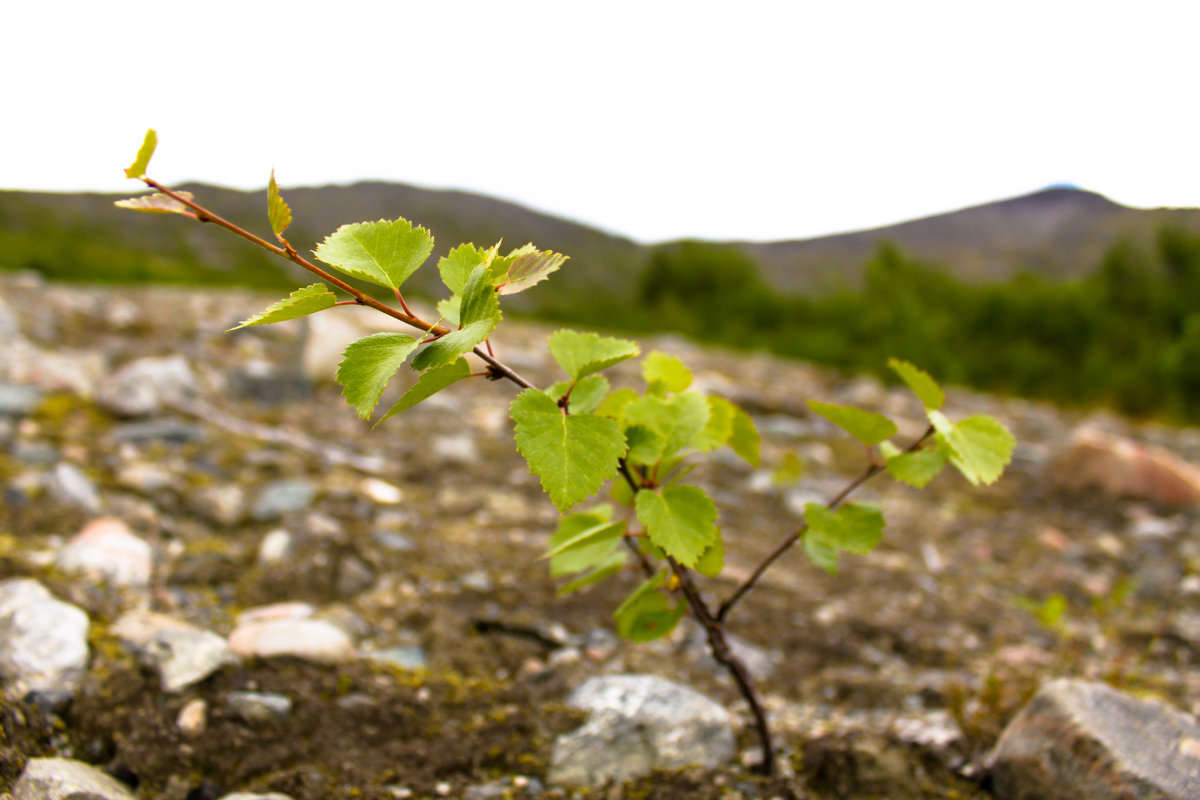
{"type": "Point", "coordinates": [718, 430]}
{"type": "Point", "coordinates": [713, 560]}
{"type": "Point", "coordinates": [745, 440]}
{"type": "Point", "coordinates": [528, 269]}
{"type": "Point", "coordinates": [679, 419]}
{"type": "Point", "coordinates": [367, 366]}
{"type": "Point", "coordinates": [384, 252]}
{"type": "Point", "coordinates": [602, 533]}
{"type": "Point", "coordinates": [479, 313]}
{"type": "Point", "coordinates": [665, 373]}
{"type": "Point", "coordinates": [682, 520]}
{"type": "Point", "coordinates": [648, 614]}
{"type": "Point", "coordinates": [581, 354]}
{"type": "Point", "coordinates": [586, 395]}
{"type": "Point", "coordinates": [573, 455]}
{"type": "Point", "coordinates": [922, 385]}
{"type": "Point", "coordinates": [980, 447]}
{"type": "Point", "coordinates": [157, 203]}
{"type": "Point", "coordinates": [430, 383]}
{"type": "Point", "coordinates": [456, 268]}
{"type": "Point", "coordinates": [917, 469]}
{"type": "Point", "coordinates": [857, 527]}
{"type": "Point", "coordinates": [278, 211]}
{"type": "Point", "coordinates": [302, 302]}
{"type": "Point", "coordinates": [138, 168]}
{"type": "Point", "coordinates": [866, 426]}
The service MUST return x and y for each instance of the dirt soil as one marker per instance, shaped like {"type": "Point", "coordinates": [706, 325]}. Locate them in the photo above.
{"type": "Point", "coordinates": [892, 679]}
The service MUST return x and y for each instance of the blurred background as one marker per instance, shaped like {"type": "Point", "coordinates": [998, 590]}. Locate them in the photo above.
{"type": "Point", "coordinates": [1004, 194]}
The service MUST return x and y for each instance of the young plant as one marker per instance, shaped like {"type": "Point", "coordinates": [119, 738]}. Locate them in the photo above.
{"type": "Point", "coordinates": [578, 435]}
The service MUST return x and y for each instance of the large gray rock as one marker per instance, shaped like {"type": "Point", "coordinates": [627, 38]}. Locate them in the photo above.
{"type": "Point", "coordinates": [143, 386]}
{"type": "Point", "coordinates": [182, 654]}
{"type": "Point", "coordinates": [1078, 740]}
{"type": "Point", "coordinates": [64, 779]}
{"type": "Point", "coordinates": [43, 641]}
{"type": "Point", "coordinates": [639, 723]}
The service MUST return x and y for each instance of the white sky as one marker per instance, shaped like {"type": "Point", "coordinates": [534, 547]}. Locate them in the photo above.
{"type": "Point", "coordinates": [746, 120]}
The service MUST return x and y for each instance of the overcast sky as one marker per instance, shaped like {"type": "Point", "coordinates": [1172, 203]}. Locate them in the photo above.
{"type": "Point", "coordinates": [656, 120]}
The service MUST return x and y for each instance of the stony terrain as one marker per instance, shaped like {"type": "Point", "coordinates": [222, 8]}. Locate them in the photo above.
{"type": "Point", "coordinates": [230, 477]}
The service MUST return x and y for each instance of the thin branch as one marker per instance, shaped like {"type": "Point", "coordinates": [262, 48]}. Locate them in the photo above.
{"type": "Point", "coordinates": [870, 472]}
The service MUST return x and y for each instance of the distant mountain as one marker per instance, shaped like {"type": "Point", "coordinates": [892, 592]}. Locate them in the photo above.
{"type": "Point", "coordinates": [1059, 232]}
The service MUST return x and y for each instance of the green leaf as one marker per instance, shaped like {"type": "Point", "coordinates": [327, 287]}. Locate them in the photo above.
{"type": "Point", "coordinates": [138, 168]}
{"type": "Point", "coordinates": [647, 614]}
{"type": "Point", "coordinates": [530, 268]}
{"type": "Point", "coordinates": [645, 444]}
{"type": "Point", "coordinates": [603, 533]}
{"type": "Point", "coordinates": [156, 203]}
{"type": "Point", "coordinates": [479, 314]}
{"type": "Point", "coordinates": [857, 527]}
{"type": "Point", "coordinates": [367, 366]}
{"type": "Point", "coordinates": [823, 555]}
{"type": "Point", "coordinates": [918, 468]}
{"type": "Point", "coordinates": [586, 395]}
{"type": "Point", "coordinates": [456, 268]}
{"type": "Point", "coordinates": [789, 470]}
{"type": "Point", "coordinates": [384, 252]}
{"type": "Point", "coordinates": [745, 440]}
{"type": "Point", "coordinates": [718, 429]}
{"type": "Point", "coordinates": [581, 354]}
{"type": "Point", "coordinates": [679, 419]}
{"type": "Point", "coordinates": [580, 559]}
{"type": "Point", "coordinates": [922, 385]}
{"type": "Point", "coordinates": [682, 520]}
{"type": "Point", "coordinates": [866, 426]}
{"type": "Point", "coordinates": [980, 447]}
{"type": "Point", "coordinates": [614, 405]}
{"type": "Point", "coordinates": [573, 455]}
{"type": "Point", "coordinates": [607, 568]}
{"type": "Point", "coordinates": [300, 303]}
{"type": "Point", "coordinates": [665, 372]}
{"type": "Point", "coordinates": [277, 210]}
{"type": "Point", "coordinates": [713, 560]}
{"type": "Point", "coordinates": [430, 383]}
{"type": "Point", "coordinates": [448, 310]}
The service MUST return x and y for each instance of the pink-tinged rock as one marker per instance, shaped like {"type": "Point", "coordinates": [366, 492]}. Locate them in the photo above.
{"type": "Point", "coordinates": [1087, 741]}
{"type": "Point", "coordinates": [107, 551]}
{"type": "Point", "coordinates": [182, 653]}
{"type": "Point", "coordinates": [1123, 468]}
{"type": "Point", "coordinates": [276, 611]}
{"type": "Point", "coordinates": [315, 640]}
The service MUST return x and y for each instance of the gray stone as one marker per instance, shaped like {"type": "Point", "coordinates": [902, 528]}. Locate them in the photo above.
{"type": "Point", "coordinates": [282, 497]}
{"type": "Point", "coordinates": [758, 662]}
{"type": "Point", "coordinates": [259, 707]}
{"type": "Point", "coordinates": [182, 654]}
{"type": "Point", "coordinates": [18, 401]}
{"type": "Point", "coordinates": [44, 640]}
{"type": "Point", "coordinates": [403, 656]}
{"type": "Point", "coordinates": [639, 723]}
{"type": "Point", "coordinates": [68, 484]}
{"type": "Point", "coordinates": [396, 542]}
{"type": "Point", "coordinates": [65, 779]}
{"type": "Point", "coordinates": [354, 576]}
{"type": "Point", "coordinates": [9, 324]}
{"type": "Point", "coordinates": [143, 386]}
{"type": "Point", "coordinates": [165, 429]}
{"type": "Point", "coordinates": [107, 551]}
{"type": "Point", "coordinates": [223, 505]}
{"type": "Point", "coordinates": [1087, 741]}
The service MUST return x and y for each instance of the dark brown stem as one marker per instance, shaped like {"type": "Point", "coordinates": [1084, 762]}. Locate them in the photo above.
{"type": "Point", "coordinates": [870, 472]}
{"type": "Point", "coordinates": [725, 656]}
{"type": "Point", "coordinates": [289, 253]}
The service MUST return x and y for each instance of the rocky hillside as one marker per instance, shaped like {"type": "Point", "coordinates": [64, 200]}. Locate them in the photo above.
{"type": "Point", "coordinates": [357, 613]}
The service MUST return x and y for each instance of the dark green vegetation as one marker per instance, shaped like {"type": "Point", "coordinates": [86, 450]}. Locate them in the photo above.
{"type": "Point", "coordinates": [1060, 294]}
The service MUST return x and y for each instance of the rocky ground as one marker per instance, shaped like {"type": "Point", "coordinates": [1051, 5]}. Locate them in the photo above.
{"type": "Point", "coordinates": [440, 658]}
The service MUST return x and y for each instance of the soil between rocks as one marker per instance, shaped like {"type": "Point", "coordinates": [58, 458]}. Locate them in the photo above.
{"type": "Point", "coordinates": [891, 679]}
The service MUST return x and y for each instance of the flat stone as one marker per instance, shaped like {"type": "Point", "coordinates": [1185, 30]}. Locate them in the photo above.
{"type": "Point", "coordinates": [282, 497]}
{"type": "Point", "coordinates": [44, 640]}
{"type": "Point", "coordinates": [70, 485]}
{"type": "Point", "coordinates": [106, 550]}
{"type": "Point", "coordinates": [259, 707]}
{"type": "Point", "coordinates": [224, 504]}
{"type": "Point", "coordinates": [182, 653]}
{"type": "Point", "coordinates": [639, 723]}
{"type": "Point", "coordinates": [17, 400]}
{"type": "Point", "coordinates": [314, 640]}
{"type": "Point", "coordinates": [165, 429]}
{"type": "Point", "coordinates": [396, 542]}
{"type": "Point", "coordinates": [65, 779]}
{"type": "Point", "coordinates": [410, 657]}
{"type": "Point", "coordinates": [144, 385]}
{"type": "Point", "coordinates": [1078, 740]}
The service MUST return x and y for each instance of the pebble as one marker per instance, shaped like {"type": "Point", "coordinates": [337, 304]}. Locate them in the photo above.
{"type": "Point", "coordinates": [107, 551]}
{"type": "Point", "coordinates": [313, 640]}
{"type": "Point", "coordinates": [381, 492]}
{"type": "Point", "coordinates": [183, 654]}
{"type": "Point", "coordinates": [165, 429]}
{"type": "Point", "coordinates": [396, 542]}
{"type": "Point", "coordinates": [68, 484]}
{"type": "Point", "coordinates": [456, 449]}
{"type": "Point", "coordinates": [65, 779]}
{"type": "Point", "coordinates": [282, 497]}
{"type": "Point", "coordinates": [410, 657]}
{"type": "Point", "coordinates": [193, 718]}
{"type": "Point", "coordinates": [44, 640]}
{"type": "Point", "coordinates": [142, 386]}
{"type": "Point", "coordinates": [259, 707]}
{"type": "Point", "coordinates": [276, 547]}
